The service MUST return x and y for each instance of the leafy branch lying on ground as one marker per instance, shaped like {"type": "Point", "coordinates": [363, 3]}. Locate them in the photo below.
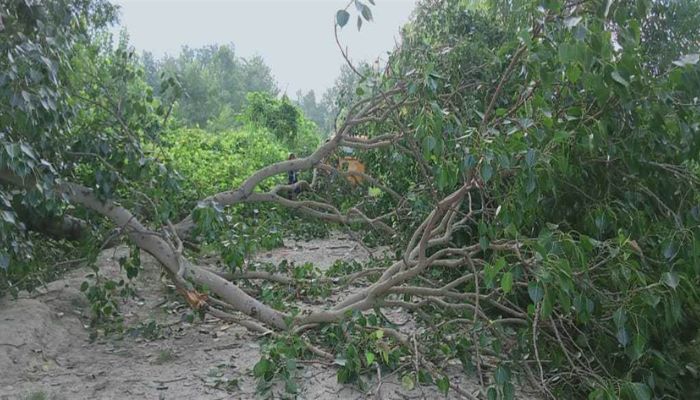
{"type": "Point", "coordinates": [533, 165]}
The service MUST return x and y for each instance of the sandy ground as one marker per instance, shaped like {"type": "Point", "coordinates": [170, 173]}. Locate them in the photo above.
{"type": "Point", "coordinates": [321, 252]}
{"type": "Point", "coordinates": [46, 353]}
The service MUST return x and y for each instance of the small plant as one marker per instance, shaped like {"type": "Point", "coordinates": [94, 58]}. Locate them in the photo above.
{"type": "Point", "coordinates": [219, 377]}
{"type": "Point", "coordinates": [246, 238]}
{"type": "Point", "coordinates": [343, 267]}
{"type": "Point", "coordinates": [307, 283]}
{"type": "Point", "coordinates": [38, 395]}
{"type": "Point", "coordinates": [103, 305]}
{"type": "Point", "coordinates": [360, 343]}
{"type": "Point", "coordinates": [165, 356]}
{"type": "Point", "coordinates": [103, 294]}
{"type": "Point", "coordinates": [279, 360]}
{"type": "Point", "coordinates": [149, 330]}
{"type": "Point", "coordinates": [301, 229]}
{"type": "Point", "coordinates": [275, 296]}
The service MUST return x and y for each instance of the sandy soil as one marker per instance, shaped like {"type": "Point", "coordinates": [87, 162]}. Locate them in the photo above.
{"type": "Point", "coordinates": [321, 252]}
{"type": "Point", "coordinates": [46, 353]}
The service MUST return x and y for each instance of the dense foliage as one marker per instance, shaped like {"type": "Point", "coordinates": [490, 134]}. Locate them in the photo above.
{"type": "Point", "coordinates": [78, 107]}
{"type": "Point", "coordinates": [283, 119]}
{"type": "Point", "coordinates": [59, 83]}
{"type": "Point", "coordinates": [588, 153]}
{"type": "Point", "coordinates": [572, 128]}
{"type": "Point", "coordinates": [214, 82]}
{"type": "Point", "coordinates": [214, 162]}
{"type": "Point", "coordinates": [325, 110]}
{"type": "Point", "coordinates": [314, 110]}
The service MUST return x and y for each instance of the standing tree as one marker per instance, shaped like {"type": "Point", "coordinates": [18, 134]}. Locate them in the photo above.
{"type": "Point", "coordinates": [313, 110]}
{"type": "Point", "coordinates": [213, 79]}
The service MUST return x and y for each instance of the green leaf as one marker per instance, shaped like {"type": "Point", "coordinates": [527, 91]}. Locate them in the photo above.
{"type": "Point", "coordinates": [484, 243]}
{"type": "Point", "coordinates": [695, 213]}
{"type": "Point", "coordinates": [443, 177]}
{"type": "Point", "coordinates": [366, 12]}
{"type": "Point", "coordinates": [535, 291]}
{"type": "Point", "coordinates": [688, 59]}
{"type": "Point", "coordinates": [640, 391]}
{"type": "Point", "coordinates": [547, 305]}
{"type": "Point", "coordinates": [374, 192]}
{"type": "Point", "coordinates": [369, 357]}
{"type": "Point", "coordinates": [622, 336]}
{"type": "Point", "coordinates": [342, 17]}
{"type": "Point", "coordinates": [508, 391]}
{"type": "Point", "coordinates": [619, 79]}
{"type": "Point", "coordinates": [343, 375]}
{"type": "Point", "coordinates": [651, 299]}
{"type": "Point", "coordinates": [670, 251]}
{"type": "Point", "coordinates": [573, 72]}
{"type": "Point", "coordinates": [11, 149]}
{"type": "Point", "coordinates": [530, 157]}
{"type": "Point", "coordinates": [671, 279]}
{"type": "Point", "coordinates": [486, 172]}
{"type": "Point", "coordinates": [443, 384]}
{"type": "Point", "coordinates": [8, 216]}
{"type": "Point", "coordinates": [27, 150]}
{"type": "Point", "coordinates": [572, 22]}
{"type": "Point", "coordinates": [507, 282]}
{"type": "Point", "coordinates": [531, 183]}
{"type": "Point", "coordinates": [261, 367]}
{"type": "Point", "coordinates": [554, 5]}
{"type": "Point", "coordinates": [385, 356]}
{"type": "Point", "coordinates": [424, 377]}
{"type": "Point", "coordinates": [502, 375]}
{"type": "Point", "coordinates": [619, 317]}
{"type": "Point", "coordinates": [429, 144]}
{"type": "Point", "coordinates": [567, 52]}
{"type": "Point", "coordinates": [340, 361]}
{"type": "Point", "coordinates": [469, 162]}
{"type": "Point", "coordinates": [290, 386]}
{"type": "Point", "coordinates": [638, 345]}
{"type": "Point", "coordinates": [492, 394]}
{"type": "Point", "coordinates": [107, 310]}
{"type": "Point", "coordinates": [407, 382]}
{"type": "Point", "coordinates": [4, 261]}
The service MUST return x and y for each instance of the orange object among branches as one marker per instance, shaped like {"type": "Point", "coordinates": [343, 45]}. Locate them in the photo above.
{"type": "Point", "coordinates": [352, 164]}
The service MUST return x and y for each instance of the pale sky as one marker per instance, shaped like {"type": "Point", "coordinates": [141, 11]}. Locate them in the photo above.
{"type": "Point", "coordinates": [294, 37]}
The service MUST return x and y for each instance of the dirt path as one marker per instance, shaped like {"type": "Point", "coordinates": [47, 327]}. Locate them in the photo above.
{"type": "Point", "coordinates": [46, 353]}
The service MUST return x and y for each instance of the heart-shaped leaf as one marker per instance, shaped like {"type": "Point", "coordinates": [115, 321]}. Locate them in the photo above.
{"type": "Point", "coordinates": [671, 279]}
{"type": "Point", "coordinates": [342, 17]}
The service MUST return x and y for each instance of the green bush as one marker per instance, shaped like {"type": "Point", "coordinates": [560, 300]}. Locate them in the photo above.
{"type": "Point", "coordinates": [283, 120]}
{"type": "Point", "coordinates": [215, 162]}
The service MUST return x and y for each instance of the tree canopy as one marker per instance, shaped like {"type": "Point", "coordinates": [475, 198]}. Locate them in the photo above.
{"type": "Point", "coordinates": [532, 163]}
{"type": "Point", "coordinates": [214, 81]}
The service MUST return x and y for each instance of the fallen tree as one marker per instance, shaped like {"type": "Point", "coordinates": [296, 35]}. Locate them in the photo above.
{"type": "Point", "coordinates": [534, 235]}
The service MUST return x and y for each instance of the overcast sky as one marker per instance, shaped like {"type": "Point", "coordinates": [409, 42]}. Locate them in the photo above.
{"type": "Point", "coordinates": [295, 37]}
